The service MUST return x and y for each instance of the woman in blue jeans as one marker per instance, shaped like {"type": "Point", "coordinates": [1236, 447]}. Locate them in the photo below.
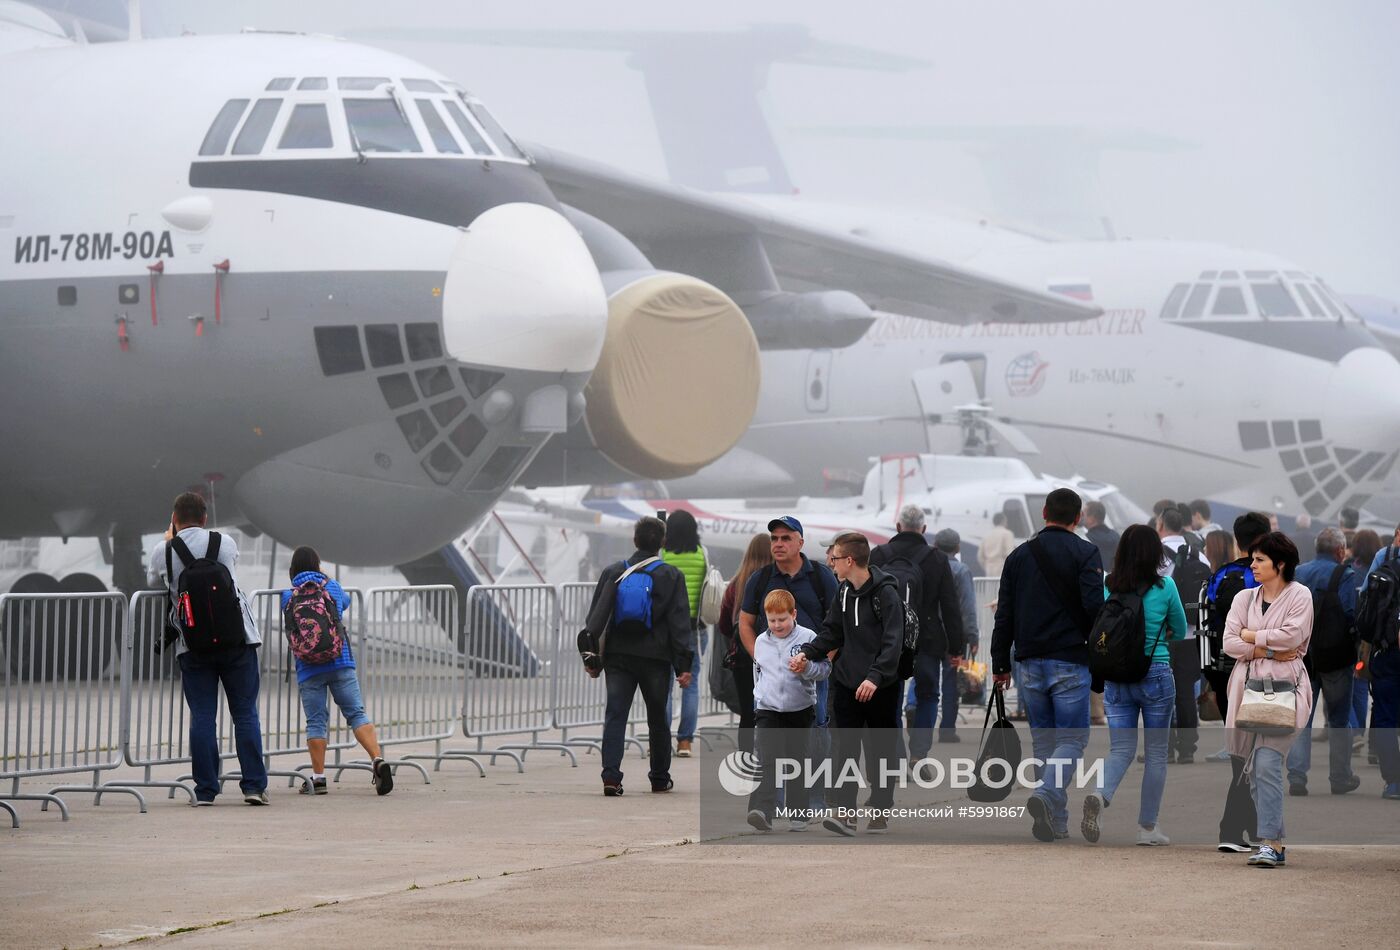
{"type": "Point", "coordinates": [1136, 567]}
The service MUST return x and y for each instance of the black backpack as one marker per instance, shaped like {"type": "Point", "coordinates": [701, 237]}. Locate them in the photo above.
{"type": "Point", "coordinates": [910, 646]}
{"type": "Point", "coordinates": [1220, 593]}
{"type": "Point", "coordinates": [908, 572]}
{"type": "Point", "coordinates": [1333, 643]}
{"type": "Point", "coordinates": [1192, 579]}
{"type": "Point", "coordinates": [207, 610]}
{"type": "Point", "coordinates": [1378, 606]}
{"type": "Point", "coordinates": [1118, 641]}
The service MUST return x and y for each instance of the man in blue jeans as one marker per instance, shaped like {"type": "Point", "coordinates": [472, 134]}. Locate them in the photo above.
{"type": "Point", "coordinates": [637, 633]}
{"type": "Point", "coordinates": [1051, 591]}
{"type": "Point", "coordinates": [201, 673]}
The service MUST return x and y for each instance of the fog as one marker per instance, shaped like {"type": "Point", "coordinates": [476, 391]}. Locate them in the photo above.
{"type": "Point", "coordinates": [1270, 124]}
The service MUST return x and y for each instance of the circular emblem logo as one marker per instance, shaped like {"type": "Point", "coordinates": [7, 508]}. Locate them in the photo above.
{"type": "Point", "coordinates": [1025, 375]}
{"type": "Point", "coordinates": [740, 773]}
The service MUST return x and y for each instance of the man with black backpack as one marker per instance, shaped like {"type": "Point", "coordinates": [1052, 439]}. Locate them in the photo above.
{"type": "Point", "coordinates": [1051, 591]}
{"type": "Point", "coordinates": [1189, 570]}
{"type": "Point", "coordinates": [1330, 662]}
{"type": "Point", "coordinates": [1378, 624]}
{"type": "Point", "coordinates": [217, 643]}
{"type": "Point", "coordinates": [925, 582]}
{"type": "Point", "coordinates": [637, 632]}
{"type": "Point", "coordinates": [1239, 819]}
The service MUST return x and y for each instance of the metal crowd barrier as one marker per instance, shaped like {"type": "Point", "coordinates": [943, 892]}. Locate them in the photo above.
{"type": "Point", "coordinates": [412, 669]}
{"type": "Point", "coordinates": [511, 640]}
{"type": "Point", "coordinates": [580, 700]}
{"type": "Point", "coordinates": [62, 693]}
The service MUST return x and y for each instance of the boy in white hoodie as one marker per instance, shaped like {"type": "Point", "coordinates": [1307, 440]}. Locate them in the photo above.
{"type": "Point", "coordinates": [784, 705]}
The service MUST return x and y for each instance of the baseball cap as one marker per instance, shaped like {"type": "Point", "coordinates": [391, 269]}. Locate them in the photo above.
{"type": "Point", "coordinates": [947, 540]}
{"type": "Point", "coordinates": [786, 521]}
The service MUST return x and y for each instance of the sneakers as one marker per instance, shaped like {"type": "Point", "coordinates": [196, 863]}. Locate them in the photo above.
{"type": "Point", "coordinates": [1039, 810]}
{"type": "Point", "coordinates": [612, 789]}
{"type": "Point", "coordinates": [1297, 790]}
{"type": "Point", "coordinates": [797, 824]}
{"type": "Point", "coordinates": [683, 748]}
{"type": "Point", "coordinates": [1352, 783]}
{"type": "Point", "coordinates": [877, 826]}
{"type": "Point", "coordinates": [314, 786]}
{"type": "Point", "coordinates": [1265, 857]}
{"type": "Point", "coordinates": [202, 802]}
{"type": "Point", "coordinates": [666, 786]}
{"type": "Point", "coordinates": [1153, 838]}
{"type": "Point", "coordinates": [1222, 756]}
{"type": "Point", "coordinates": [759, 821]}
{"type": "Point", "coordinates": [1089, 824]}
{"type": "Point", "coordinates": [1185, 760]}
{"type": "Point", "coordinates": [382, 776]}
{"type": "Point", "coordinates": [1391, 791]}
{"type": "Point", "coordinates": [1233, 847]}
{"type": "Point", "coordinates": [845, 827]}
{"type": "Point", "coordinates": [255, 798]}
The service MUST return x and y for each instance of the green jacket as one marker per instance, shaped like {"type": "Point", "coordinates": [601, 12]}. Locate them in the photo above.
{"type": "Point", "coordinates": [691, 564]}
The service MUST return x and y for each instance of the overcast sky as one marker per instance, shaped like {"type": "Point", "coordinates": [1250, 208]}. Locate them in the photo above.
{"type": "Point", "coordinates": [1280, 114]}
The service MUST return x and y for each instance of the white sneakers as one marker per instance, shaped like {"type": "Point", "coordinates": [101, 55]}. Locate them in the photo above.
{"type": "Point", "coordinates": [1153, 838]}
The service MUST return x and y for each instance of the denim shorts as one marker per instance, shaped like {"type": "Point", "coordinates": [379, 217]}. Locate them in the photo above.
{"type": "Point", "coordinates": [345, 687]}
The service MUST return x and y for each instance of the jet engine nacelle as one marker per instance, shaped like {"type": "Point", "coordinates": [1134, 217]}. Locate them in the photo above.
{"type": "Point", "coordinates": [678, 379]}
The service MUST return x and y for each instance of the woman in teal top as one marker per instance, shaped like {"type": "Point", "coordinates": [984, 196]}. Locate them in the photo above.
{"type": "Point", "coordinates": [683, 551]}
{"type": "Point", "coordinates": [1135, 566]}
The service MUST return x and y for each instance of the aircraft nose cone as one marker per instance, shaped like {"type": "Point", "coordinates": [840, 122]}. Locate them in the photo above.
{"type": "Point", "coordinates": [522, 292]}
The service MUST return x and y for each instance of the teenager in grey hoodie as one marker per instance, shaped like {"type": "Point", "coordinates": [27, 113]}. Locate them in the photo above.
{"type": "Point", "coordinates": [784, 706]}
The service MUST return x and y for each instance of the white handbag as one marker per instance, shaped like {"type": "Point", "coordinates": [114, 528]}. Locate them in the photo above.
{"type": "Point", "coordinates": [1269, 707]}
{"type": "Point", "coordinates": [711, 593]}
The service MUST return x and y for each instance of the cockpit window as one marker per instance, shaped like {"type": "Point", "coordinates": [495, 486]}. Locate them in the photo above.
{"type": "Point", "coordinates": [308, 127]}
{"type": "Point", "coordinates": [1334, 306]}
{"type": "Point", "coordinates": [1173, 304]}
{"type": "Point", "coordinates": [216, 139]}
{"type": "Point", "coordinates": [437, 129]}
{"type": "Point", "coordinates": [421, 85]}
{"type": "Point", "coordinates": [494, 130]}
{"type": "Point", "coordinates": [1229, 302]}
{"type": "Point", "coordinates": [361, 83]}
{"type": "Point", "coordinates": [1309, 301]}
{"type": "Point", "coordinates": [377, 125]}
{"type": "Point", "coordinates": [254, 132]}
{"type": "Point", "coordinates": [1196, 303]}
{"type": "Point", "coordinates": [280, 84]}
{"type": "Point", "coordinates": [313, 83]}
{"type": "Point", "coordinates": [1274, 300]}
{"type": "Point", "coordinates": [469, 131]}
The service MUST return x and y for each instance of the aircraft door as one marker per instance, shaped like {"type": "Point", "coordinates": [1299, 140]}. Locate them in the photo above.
{"type": "Point", "coordinates": [940, 390]}
{"type": "Point", "coordinates": [819, 381]}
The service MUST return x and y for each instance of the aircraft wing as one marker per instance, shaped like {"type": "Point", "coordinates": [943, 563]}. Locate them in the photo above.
{"type": "Point", "coordinates": [657, 214]}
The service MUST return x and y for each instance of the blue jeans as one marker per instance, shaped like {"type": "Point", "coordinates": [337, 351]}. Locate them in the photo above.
{"type": "Point", "coordinates": [1335, 688]}
{"type": "Point", "coordinates": [1266, 784]}
{"type": "Point", "coordinates": [948, 721]}
{"type": "Point", "coordinates": [1056, 700]}
{"type": "Point", "coordinates": [1155, 698]}
{"type": "Point", "coordinates": [200, 676]}
{"type": "Point", "coordinates": [928, 674]}
{"type": "Point", "coordinates": [1385, 716]}
{"type": "Point", "coordinates": [690, 696]}
{"type": "Point", "coordinates": [625, 674]}
{"type": "Point", "coordinates": [345, 687]}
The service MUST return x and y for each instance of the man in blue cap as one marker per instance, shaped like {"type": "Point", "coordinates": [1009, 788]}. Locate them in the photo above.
{"type": "Point", "coordinates": [812, 585]}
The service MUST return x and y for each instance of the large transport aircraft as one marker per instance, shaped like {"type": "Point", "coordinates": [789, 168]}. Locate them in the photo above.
{"type": "Point", "coordinates": [320, 283]}
{"type": "Point", "coordinates": [1213, 372]}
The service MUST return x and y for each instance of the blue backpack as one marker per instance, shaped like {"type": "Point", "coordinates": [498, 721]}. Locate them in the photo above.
{"type": "Point", "coordinates": [633, 605]}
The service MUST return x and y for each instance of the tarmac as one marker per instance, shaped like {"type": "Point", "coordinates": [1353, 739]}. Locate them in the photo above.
{"type": "Point", "coordinates": [542, 859]}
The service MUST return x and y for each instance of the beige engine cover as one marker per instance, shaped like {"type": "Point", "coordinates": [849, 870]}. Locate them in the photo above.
{"type": "Point", "coordinates": [678, 380]}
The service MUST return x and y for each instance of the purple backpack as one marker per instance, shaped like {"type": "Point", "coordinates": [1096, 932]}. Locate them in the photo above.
{"type": "Point", "coordinates": [312, 624]}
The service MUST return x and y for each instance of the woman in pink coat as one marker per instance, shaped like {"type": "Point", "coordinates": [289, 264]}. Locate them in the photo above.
{"type": "Point", "coordinates": [1268, 630]}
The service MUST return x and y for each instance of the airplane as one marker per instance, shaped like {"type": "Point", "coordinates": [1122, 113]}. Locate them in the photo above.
{"type": "Point", "coordinates": [321, 284]}
{"type": "Point", "coordinates": [1213, 372]}
{"type": "Point", "coordinates": [955, 491]}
